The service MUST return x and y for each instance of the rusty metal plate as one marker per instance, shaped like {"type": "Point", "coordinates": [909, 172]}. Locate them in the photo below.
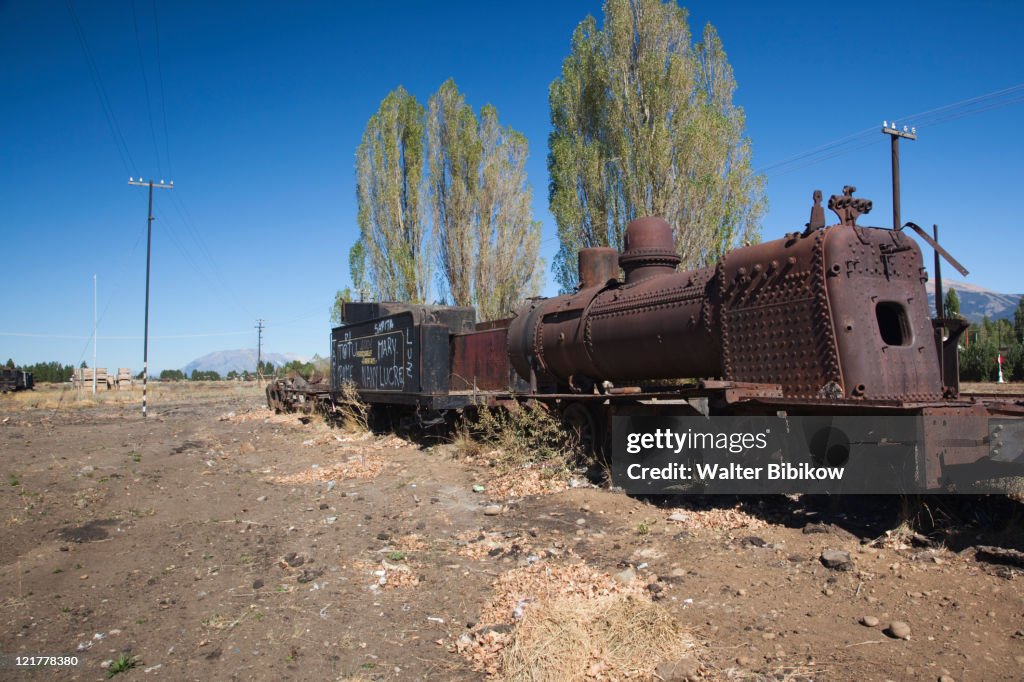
{"type": "Point", "coordinates": [879, 306]}
{"type": "Point", "coordinates": [479, 361]}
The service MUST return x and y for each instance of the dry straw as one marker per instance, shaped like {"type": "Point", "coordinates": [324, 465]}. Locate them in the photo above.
{"type": "Point", "coordinates": [576, 638]}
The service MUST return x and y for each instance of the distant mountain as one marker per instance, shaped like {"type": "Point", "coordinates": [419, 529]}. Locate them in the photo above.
{"type": "Point", "coordinates": [976, 302]}
{"type": "Point", "coordinates": [223, 361]}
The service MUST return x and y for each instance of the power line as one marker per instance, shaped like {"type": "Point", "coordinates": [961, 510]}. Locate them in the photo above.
{"type": "Point", "coordinates": [101, 91]}
{"type": "Point", "coordinates": [823, 148]}
{"type": "Point", "coordinates": [812, 162]}
{"type": "Point", "coordinates": [921, 118]}
{"type": "Point", "coordinates": [195, 234]}
{"type": "Point", "coordinates": [163, 102]}
{"type": "Point", "coordinates": [145, 84]}
{"type": "Point", "coordinates": [955, 116]}
{"type": "Point", "coordinates": [863, 138]}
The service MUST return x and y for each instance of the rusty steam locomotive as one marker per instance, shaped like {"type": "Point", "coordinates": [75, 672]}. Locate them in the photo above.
{"type": "Point", "coordinates": [827, 320]}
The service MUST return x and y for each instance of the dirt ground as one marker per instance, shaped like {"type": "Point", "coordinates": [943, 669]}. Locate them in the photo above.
{"type": "Point", "coordinates": [217, 541]}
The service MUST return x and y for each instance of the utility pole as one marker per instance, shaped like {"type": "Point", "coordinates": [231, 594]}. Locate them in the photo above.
{"type": "Point", "coordinates": [259, 352]}
{"type": "Point", "coordinates": [149, 243]}
{"type": "Point", "coordinates": [940, 304]}
{"type": "Point", "coordinates": [94, 334]}
{"type": "Point", "coordinates": [895, 134]}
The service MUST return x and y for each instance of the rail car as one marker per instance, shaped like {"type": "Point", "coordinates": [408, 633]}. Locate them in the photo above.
{"type": "Point", "coordinates": [828, 320]}
{"type": "Point", "coordinates": [15, 380]}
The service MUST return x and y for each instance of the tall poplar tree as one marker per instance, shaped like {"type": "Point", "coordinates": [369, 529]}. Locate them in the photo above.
{"type": "Point", "coordinates": [644, 124]}
{"type": "Point", "coordinates": [389, 178]}
{"type": "Point", "coordinates": [487, 240]}
{"type": "Point", "coordinates": [442, 181]}
{"type": "Point", "coordinates": [508, 238]}
{"type": "Point", "coordinates": [454, 150]}
{"type": "Point", "coordinates": [952, 303]}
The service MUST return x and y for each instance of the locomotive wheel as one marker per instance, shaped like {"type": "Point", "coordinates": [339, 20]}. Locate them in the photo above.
{"type": "Point", "coordinates": [587, 427]}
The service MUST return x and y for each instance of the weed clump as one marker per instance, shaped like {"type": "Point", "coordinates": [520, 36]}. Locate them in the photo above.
{"type": "Point", "coordinates": [521, 436]}
{"type": "Point", "coordinates": [354, 413]}
{"type": "Point", "coordinates": [122, 664]}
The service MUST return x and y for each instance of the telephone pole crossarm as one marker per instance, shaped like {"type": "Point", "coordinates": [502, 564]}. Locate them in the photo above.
{"type": "Point", "coordinates": [157, 185]}
{"type": "Point", "coordinates": [895, 134]}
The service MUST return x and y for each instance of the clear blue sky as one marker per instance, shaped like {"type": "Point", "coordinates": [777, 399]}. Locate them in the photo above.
{"type": "Point", "coordinates": [265, 104]}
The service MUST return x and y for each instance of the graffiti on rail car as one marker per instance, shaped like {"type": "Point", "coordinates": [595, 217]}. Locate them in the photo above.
{"type": "Point", "coordinates": [377, 356]}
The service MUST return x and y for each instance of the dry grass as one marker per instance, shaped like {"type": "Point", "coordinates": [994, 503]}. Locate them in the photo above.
{"type": "Point", "coordinates": [479, 545]}
{"type": "Point", "coordinates": [720, 519]}
{"type": "Point", "coordinates": [354, 413]}
{"type": "Point", "coordinates": [413, 542]}
{"type": "Point", "coordinates": [525, 588]}
{"type": "Point", "coordinates": [572, 623]}
{"type": "Point", "coordinates": [358, 467]}
{"type": "Point", "coordinates": [261, 414]}
{"type": "Point", "coordinates": [530, 450]}
{"type": "Point", "coordinates": [1015, 388]}
{"type": "Point", "coordinates": [63, 396]}
{"type": "Point", "coordinates": [613, 637]}
{"type": "Point", "coordinates": [519, 436]}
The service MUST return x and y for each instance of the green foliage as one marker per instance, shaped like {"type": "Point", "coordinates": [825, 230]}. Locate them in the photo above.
{"type": "Point", "coordinates": [644, 124]}
{"type": "Point", "coordinates": [209, 375]}
{"type": "Point", "coordinates": [977, 362]}
{"type": "Point", "coordinates": [389, 175]}
{"type": "Point", "coordinates": [50, 372]}
{"type": "Point", "coordinates": [986, 342]}
{"type": "Point", "coordinates": [1018, 320]}
{"type": "Point", "coordinates": [267, 368]}
{"type": "Point", "coordinates": [10, 363]}
{"type": "Point", "coordinates": [1015, 361]}
{"type": "Point", "coordinates": [1000, 331]}
{"type": "Point", "coordinates": [172, 375]}
{"type": "Point", "coordinates": [341, 297]}
{"type": "Point", "coordinates": [1011, 359]}
{"type": "Point", "coordinates": [357, 264]}
{"type": "Point", "coordinates": [232, 375]}
{"type": "Point", "coordinates": [357, 270]}
{"type": "Point", "coordinates": [304, 369]}
{"type": "Point", "coordinates": [123, 663]}
{"type": "Point", "coordinates": [952, 304]}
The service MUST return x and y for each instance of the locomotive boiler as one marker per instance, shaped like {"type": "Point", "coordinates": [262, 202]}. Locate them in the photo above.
{"type": "Point", "coordinates": [827, 313]}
